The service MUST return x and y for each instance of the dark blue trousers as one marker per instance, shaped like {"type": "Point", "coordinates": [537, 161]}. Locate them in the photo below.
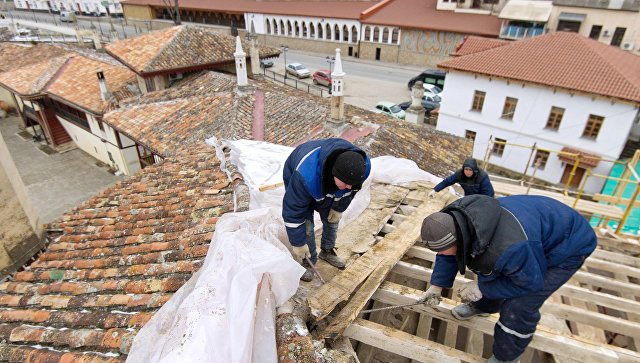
{"type": "Point", "coordinates": [519, 316]}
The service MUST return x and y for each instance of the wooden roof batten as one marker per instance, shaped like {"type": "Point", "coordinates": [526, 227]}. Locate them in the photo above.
{"type": "Point", "coordinates": [584, 302]}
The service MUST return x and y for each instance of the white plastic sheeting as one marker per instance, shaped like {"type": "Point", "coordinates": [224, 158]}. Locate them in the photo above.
{"type": "Point", "coordinates": [216, 316]}
{"type": "Point", "coordinates": [226, 312]}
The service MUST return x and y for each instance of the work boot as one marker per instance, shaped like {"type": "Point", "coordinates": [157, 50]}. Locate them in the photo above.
{"type": "Point", "coordinates": [308, 274]}
{"type": "Point", "coordinates": [493, 359]}
{"type": "Point", "coordinates": [466, 312]}
{"type": "Point", "coordinates": [332, 258]}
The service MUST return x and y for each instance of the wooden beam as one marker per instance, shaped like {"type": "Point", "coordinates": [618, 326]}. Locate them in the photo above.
{"type": "Point", "coordinates": [594, 319]}
{"type": "Point", "coordinates": [406, 345]}
{"type": "Point", "coordinates": [619, 245]}
{"type": "Point", "coordinates": [614, 200]}
{"type": "Point", "coordinates": [616, 257]}
{"type": "Point", "coordinates": [380, 258]}
{"type": "Point", "coordinates": [612, 267]}
{"type": "Point", "coordinates": [550, 342]}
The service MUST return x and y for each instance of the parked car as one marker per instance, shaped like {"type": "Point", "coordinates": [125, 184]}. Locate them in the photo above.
{"type": "Point", "coordinates": [428, 102]}
{"type": "Point", "coordinates": [429, 76]}
{"type": "Point", "coordinates": [323, 77]}
{"type": "Point", "coordinates": [266, 63]}
{"type": "Point", "coordinates": [390, 108]}
{"type": "Point", "coordinates": [68, 16]}
{"type": "Point", "coordinates": [298, 70]}
{"type": "Point", "coordinates": [431, 88]}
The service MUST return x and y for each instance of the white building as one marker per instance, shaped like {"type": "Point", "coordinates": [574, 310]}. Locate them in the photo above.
{"type": "Point", "coordinates": [561, 92]}
{"type": "Point", "coordinates": [84, 7]}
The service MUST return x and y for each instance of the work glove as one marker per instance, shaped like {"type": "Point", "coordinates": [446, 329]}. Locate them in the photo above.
{"type": "Point", "coordinates": [334, 216]}
{"type": "Point", "coordinates": [432, 296]}
{"type": "Point", "coordinates": [432, 194]}
{"type": "Point", "coordinates": [301, 252]}
{"type": "Point", "coordinates": [470, 292]}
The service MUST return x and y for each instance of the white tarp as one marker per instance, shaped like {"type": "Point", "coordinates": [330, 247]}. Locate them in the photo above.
{"type": "Point", "coordinates": [226, 312]}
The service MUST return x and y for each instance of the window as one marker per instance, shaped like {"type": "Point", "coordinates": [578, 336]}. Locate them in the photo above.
{"type": "Point", "coordinates": [555, 117]}
{"type": "Point", "coordinates": [595, 32]}
{"type": "Point", "coordinates": [616, 40]}
{"type": "Point", "coordinates": [478, 101]}
{"type": "Point", "coordinates": [149, 84]}
{"type": "Point", "coordinates": [540, 160]}
{"type": "Point", "coordinates": [593, 126]}
{"type": "Point", "coordinates": [568, 26]}
{"type": "Point", "coordinates": [509, 107]}
{"type": "Point", "coordinates": [498, 146]}
{"type": "Point", "coordinates": [71, 114]}
{"type": "Point", "coordinates": [470, 135]}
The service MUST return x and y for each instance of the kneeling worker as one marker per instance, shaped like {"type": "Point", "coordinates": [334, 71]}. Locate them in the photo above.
{"type": "Point", "coordinates": [522, 247]}
{"type": "Point", "coordinates": [322, 176]}
{"type": "Point", "coordinates": [471, 178]}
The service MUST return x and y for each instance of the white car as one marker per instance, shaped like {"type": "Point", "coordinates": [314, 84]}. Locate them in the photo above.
{"type": "Point", "coordinates": [298, 70]}
{"type": "Point", "coordinates": [431, 88]}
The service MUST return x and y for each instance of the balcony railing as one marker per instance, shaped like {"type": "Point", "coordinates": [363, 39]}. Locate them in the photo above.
{"type": "Point", "coordinates": [520, 32]}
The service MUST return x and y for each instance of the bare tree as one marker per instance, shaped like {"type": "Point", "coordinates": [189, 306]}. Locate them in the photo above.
{"type": "Point", "coordinates": [174, 10]}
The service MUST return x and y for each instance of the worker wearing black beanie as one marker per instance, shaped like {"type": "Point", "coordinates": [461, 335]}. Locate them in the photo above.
{"type": "Point", "coordinates": [320, 176]}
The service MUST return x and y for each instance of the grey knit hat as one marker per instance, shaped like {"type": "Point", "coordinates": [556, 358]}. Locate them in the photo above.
{"type": "Point", "coordinates": [439, 231]}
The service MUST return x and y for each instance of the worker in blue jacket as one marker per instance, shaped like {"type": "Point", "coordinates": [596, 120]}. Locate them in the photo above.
{"type": "Point", "coordinates": [321, 176]}
{"type": "Point", "coordinates": [522, 248]}
{"type": "Point", "coordinates": [471, 178]}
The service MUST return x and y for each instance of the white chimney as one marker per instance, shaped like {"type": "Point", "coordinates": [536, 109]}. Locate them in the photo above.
{"type": "Point", "coordinates": [104, 92]}
{"type": "Point", "coordinates": [337, 90]}
{"type": "Point", "coordinates": [241, 64]}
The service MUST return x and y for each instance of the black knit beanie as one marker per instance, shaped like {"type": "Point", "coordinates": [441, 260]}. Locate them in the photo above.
{"type": "Point", "coordinates": [349, 168]}
{"type": "Point", "coordinates": [438, 231]}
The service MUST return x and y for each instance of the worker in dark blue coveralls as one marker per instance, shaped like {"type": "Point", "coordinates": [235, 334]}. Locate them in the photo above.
{"type": "Point", "coordinates": [321, 176]}
{"type": "Point", "coordinates": [471, 178]}
{"type": "Point", "coordinates": [522, 248]}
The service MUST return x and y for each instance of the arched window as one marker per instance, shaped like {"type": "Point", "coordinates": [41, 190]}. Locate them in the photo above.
{"type": "Point", "coordinates": [376, 34]}
{"type": "Point", "coordinates": [304, 29]}
{"type": "Point", "coordinates": [312, 30]}
{"type": "Point", "coordinates": [268, 26]}
{"type": "Point", "coordinates": [327, 34]}
{"type": "Point", "coordinates": [345, 33]}
{"type": "Point", "coordinates": [320, 35]}
{"type": "Point", "coordinates": [289, 28]}
{"type": "Point", "coordinates": [336, 32]}
{"type": "Point", "coordinates": [275, 27]}
{"type": "Point", "coordinates": [296, 28]}
{"type": "Point", "coordinates": [282, 29]}
{"type": "Point", "coordinates": [394, 36]}
{"type": "Point", "coordinates": [367, 33]}
{"type": "Point", "coordinates": [354, 34]}
{"type": "Point", "coordinates": [385, 35]}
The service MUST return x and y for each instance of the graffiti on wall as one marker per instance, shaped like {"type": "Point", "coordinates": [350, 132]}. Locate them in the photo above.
{"type": "Point", "coordinates": [430, 42]}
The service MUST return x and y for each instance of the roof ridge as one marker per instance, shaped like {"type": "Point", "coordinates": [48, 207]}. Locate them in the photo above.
{"type": "Point", "coordinates": [58, 72]}
{"type": "Point", "coordinates": [374, 9]}
{"type": "Point", "coordinates": [177, 30]}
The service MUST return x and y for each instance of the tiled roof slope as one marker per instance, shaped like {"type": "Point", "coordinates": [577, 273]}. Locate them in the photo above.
{"type": "Point", "coordinates": [118, 258]}
{"type": "Point", "coordinates": [177, 48]}
{"type": "Point", "coordinates": [562, 59]}
{"type": "Point", "coordinates": [31, 79]}
{"type": "Point", "coordinates": [473, 44]}
{"type": "Point", "coordinates": [13, 56]}
{"type": "Point", "coordinates": [77, 82]}
{"type": "Point", "coordinates": [329, 9]}
{"type": "Point", "coordinates": [422, 14]}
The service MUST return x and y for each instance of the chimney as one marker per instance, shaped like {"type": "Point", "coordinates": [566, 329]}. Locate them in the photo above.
{"type": "Point", "coordinates": [104, 92]}
{"type": "Point", "coordinates": [337, 90]}
{"type": "Point", "coordinates": [253, 52]}
{"type": "Point", "coordinates": [241, 64]}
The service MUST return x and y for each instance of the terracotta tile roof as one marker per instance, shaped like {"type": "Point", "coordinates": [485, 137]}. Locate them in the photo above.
{"type": "Point", "coordinates": [422, 14]}
{"type": "Point", "coordinates": [31, 79]}
{"type": "Point", "coordinates": [586, 160]}
{"type": "Point", "coordinates": [77, 83]}
{"type": "Point", "coordinates": [329, 9]}
{"type": "Point", "coordinates": [564, 60]}
{"type": "Point", "coordinates": [473, 44]}
{"type": "Point", "coordinates": [13, 56]}
{"type": "Point", "coordinates": [116, 260]}
{"type": "Point", "coordinates": [180, 47]}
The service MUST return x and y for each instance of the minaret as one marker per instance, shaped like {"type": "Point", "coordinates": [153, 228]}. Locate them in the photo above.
{"type": "Point", "coordinates": [241, 64]}
{"type": "Point", "coordinates": [337, 90]}
{"type": "Point", "coordinates": [253, 53]}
